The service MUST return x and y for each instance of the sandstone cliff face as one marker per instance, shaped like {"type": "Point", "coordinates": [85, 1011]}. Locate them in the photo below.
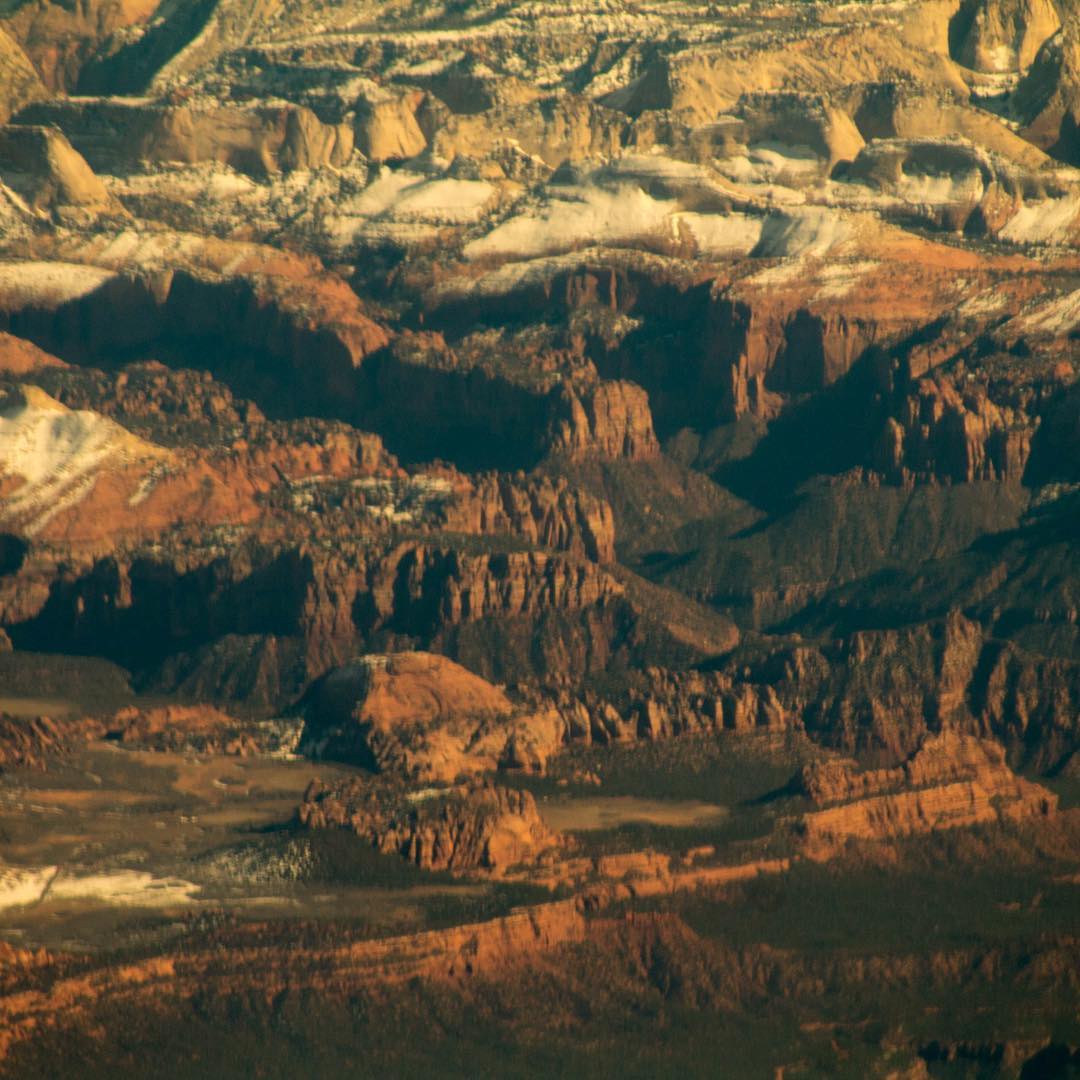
{"type": "Point", "coordinates": [43, 167]}
{"type": "Point", "coordinates": [613, 421]}
{"type": "Point", "coordinates": [491, 416]}
{"type": "Point", "coordinates": [60, 39]}
{"type": "Point", "coordinates": [1048, 97]}
{"type": "Point", "coordinates": [701, 81]}
{"type": "Point", "coordinates": [546, 511]}
{"type": "Point", "coordinates": [483, 828]}
{"type": "Point", "coordinates": [283, 309]}
{"type": "Point", "coordinates": [949, 435]}
{"type": "Point", "coordinates": [426, 719]}
{"type": "Point", "coordinates": [324, 604]}
{"type": "Point", "coordinates": [19, 82]}
{"type": "Point", "coordinates": [1001, 35]}
{"type": "Point", "coordinates": [664, 703]}
{"type": "Point", "coordinates": [882, 688]}
{"type": "Point", "coordinates": [951, 781]}
{"type": "Point", "coordinates": [484, 949]}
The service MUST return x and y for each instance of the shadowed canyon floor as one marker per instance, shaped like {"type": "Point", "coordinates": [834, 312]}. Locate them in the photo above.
{"type": "Point", "coordinates": [540, 539]}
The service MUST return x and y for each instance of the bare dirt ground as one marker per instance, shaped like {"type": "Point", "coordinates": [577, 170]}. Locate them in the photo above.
{"type": "Point", "coordinates": [584, 815]}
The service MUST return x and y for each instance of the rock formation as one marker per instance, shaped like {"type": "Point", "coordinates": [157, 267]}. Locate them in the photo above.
{"type": "Point", "coordinates": [41, 165]}
{"type": "Point", "coordinates": [424, 718]}
{"type": "Point", "coordinates": [951, 781]}
{"type": "Point", "coordinates": [33, 742]}
{"type": "Point", "coordinates": [475, 828]}
{"type": "Point", "coordinates": [507, 397]}
{"type": "Point", "coordinates": [1001, 35]}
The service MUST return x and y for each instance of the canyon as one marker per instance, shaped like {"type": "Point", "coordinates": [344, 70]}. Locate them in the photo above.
{"type": "Point", "coordinates": [550, 528]}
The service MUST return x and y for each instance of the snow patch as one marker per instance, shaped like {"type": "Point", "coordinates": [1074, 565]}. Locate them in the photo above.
{"type": "Point", "coordinates": [1059, 317]}
{"type": "Point", "coordinates": [48, 284]}
{"type": "Point", "coordinates": [923, 189]}
{"type": "Point", "coordinates": [405, 206]}
{"type": "Point", "coordinates": [813, 232]}
{"type": "Point", "coordinates": [767, 163]}
{"type": "Point", "coordinates": [723, 234]}
{"type": "Point", "coordinates": [839, 279]}
{"type": "Point", "coordinates": [575, 216]}
{"type": "Point", "coordinates": [1049, 221]}
{"type": "Point", "coordinates": [58, 453]}
{"type": "Point", "coordinates": [20, 887]}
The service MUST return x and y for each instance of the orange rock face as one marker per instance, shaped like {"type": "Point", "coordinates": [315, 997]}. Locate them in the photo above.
{"type": "Point", "coordinates": [21, 357]}
{"type": "Point", "coordinates": [32, 742]}
{"type": "Point", "coordinates": [477, 828]}
{"type": "Point", "coordinates": [481, 949]}
{"type": "Point", "coordinates": [425, 718]}
{"type": "Point", "coordinates": [423, 688]}
{"type": "Point", "coordinates": [951, 781]}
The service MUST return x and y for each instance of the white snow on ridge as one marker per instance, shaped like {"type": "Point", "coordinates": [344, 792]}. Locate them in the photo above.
{"type": "Point", "coordinates": [724, 234]}
{"type": "Point", "coordinates": [838, 279]}
{"type": "Point", "coordinates": [926, 190]}
{"type": "Point", "coordinates": [20, 887]}
{"type": "Point", "coordinates": [408, 205]}
{"type": "Point", "coordinates": [58, 453]}
{"type": "Point", "coordinates": [813, 232]}
{"type": "Point", "coordinates": [1058, 317]}
{"type": "Point", "coordinates": [577, 216]}
{"type": "Point", "coordinates": [1047, 222]}
{"type": "Point", "coordinates": [49, 284]}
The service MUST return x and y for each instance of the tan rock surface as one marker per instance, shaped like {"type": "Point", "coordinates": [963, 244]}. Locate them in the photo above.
{"type": "Point", "coordinates": [42, 165]}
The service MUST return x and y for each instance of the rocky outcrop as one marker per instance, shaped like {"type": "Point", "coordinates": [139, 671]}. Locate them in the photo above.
{"type": "Point", "coordinates": [565, 128]}
{"type": "Point", "coordinates": [19, 82]}
{"type": "Point", "coordinates": [940, 759]}
{"type": "Point", "coordinates": [806, 120]}
{"type": "Point", "coordinates": [950, 782]}
{"type": "Point", "coordinates": [41, 165]}
{"type": "Point", "coordinates": [981, 194]}
{"type": "Point", "coordinates": [20, 357]}
{"type": "Point", "coordinates": [33, 742]}
{"type": "Point", "coordinates": [52, 458]}
{"type": "Point", "coordinates": [260, 140]}
{"type": "Point", "coordinates": [480, 828]}
{"type": "Point", "coordinates": [998, 36]}
{"type": "Point", "coordinates": [386, 124]}
{"type": "Point", "coordinates": [416, 715]}
{"type": "Point", "coordinates": [948, 434]}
